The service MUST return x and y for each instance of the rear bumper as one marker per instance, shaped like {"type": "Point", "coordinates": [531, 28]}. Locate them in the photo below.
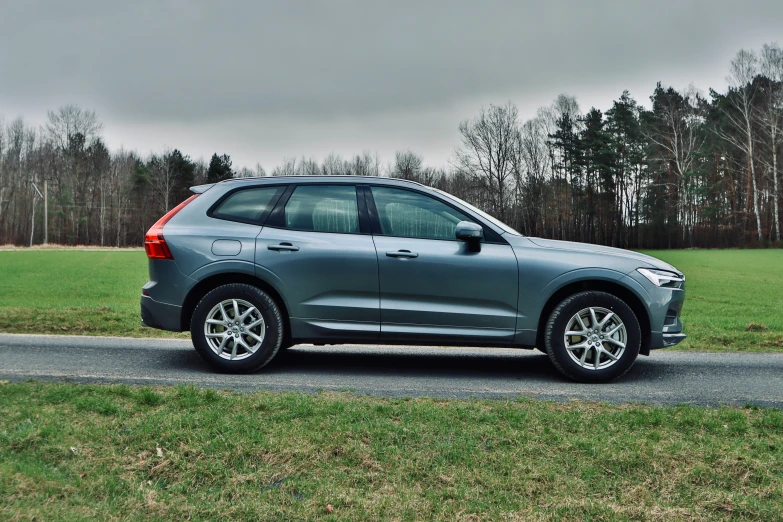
{"type": "Point", "coordinates": [159, 315]}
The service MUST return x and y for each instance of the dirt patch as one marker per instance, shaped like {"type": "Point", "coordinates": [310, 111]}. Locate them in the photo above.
{"type": "Point", "coordinates": [756, 327]}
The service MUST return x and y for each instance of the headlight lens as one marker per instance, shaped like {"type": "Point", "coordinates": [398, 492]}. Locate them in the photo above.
{"type": "Point", "coordinates": [662, 277]}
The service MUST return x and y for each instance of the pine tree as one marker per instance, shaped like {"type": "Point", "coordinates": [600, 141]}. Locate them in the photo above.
{"type": "Point", "coordinates": [627, 144]}
{"type": "Point", "coordinates": [597, 163]}
{"type": "Point", "coordinates": [219, 168]}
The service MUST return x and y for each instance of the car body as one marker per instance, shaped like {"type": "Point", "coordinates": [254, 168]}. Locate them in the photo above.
{"type": "Point", "coordinates": [377, 261]}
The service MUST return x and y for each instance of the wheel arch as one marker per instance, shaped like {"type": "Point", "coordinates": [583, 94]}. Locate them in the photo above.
{"type": "Point", "coordinates": [208, 284]}
{"type": "Point", "coordinates": [614, 287]}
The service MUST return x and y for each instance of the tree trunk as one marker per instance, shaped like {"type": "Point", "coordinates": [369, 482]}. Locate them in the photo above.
{"type": "Point", "coordinates": [103, 212]}
{"type": "Point", "coordinates": [755, 186]}
{"type": "Point", "coordinates": [775, 193]}
{"type": "Point", "coordinates": [32, 232]}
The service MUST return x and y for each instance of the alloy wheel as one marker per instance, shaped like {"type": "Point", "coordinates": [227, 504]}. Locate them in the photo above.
{"type": "Point", "coordinates": [595, 338]}
{"type": "Point", "coordinates": [234, 329]}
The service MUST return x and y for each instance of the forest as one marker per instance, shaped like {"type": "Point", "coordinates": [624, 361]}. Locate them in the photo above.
{"type": "Point", "coordinates": [689, 169]}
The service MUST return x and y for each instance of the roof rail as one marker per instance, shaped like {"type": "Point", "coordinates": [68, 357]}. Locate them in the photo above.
{"type": "Point", "coordinates": [320, 176]}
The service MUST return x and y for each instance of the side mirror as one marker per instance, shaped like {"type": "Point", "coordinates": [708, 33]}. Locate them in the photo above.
{"type": "Point", "coordinates": [471, 233]}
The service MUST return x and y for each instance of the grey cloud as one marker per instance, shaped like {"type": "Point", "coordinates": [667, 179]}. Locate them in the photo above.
{"type": "Point", "coordinates": [182, 62]}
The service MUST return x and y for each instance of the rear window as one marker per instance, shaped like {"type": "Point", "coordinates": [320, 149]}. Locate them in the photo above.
{"type": "Point", "coordinates": [247, 204]}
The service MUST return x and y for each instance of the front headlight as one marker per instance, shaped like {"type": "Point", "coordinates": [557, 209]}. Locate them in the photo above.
{"type": "Point", "coordinates": [662, 277]}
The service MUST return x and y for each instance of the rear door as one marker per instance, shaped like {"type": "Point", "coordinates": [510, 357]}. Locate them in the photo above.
{"type": "Point", "coordinates": [431, 284]}
{"type": "Point", "coordinates": [317, 248]}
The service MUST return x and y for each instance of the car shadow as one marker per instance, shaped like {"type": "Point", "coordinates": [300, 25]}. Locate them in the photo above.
{"type": "Point", "coordinates": [411, 364]}
{"type": "Point", "coordinates": [527, 365]}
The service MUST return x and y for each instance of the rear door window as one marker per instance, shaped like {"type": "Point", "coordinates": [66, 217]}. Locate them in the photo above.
{"type": "Point", "coordinates": [323, 208]}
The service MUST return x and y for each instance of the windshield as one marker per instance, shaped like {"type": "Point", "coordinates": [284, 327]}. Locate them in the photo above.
{"type": "Point", "coordinates": [494, 221]}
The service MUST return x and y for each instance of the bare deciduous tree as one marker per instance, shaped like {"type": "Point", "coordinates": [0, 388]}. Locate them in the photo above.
{"type": "Point", "coordinates": [771, 119]}
{"type": "Point", "coordinates": [333, 165]}
{"type": "Point", "coordinates": [407, 165]}
{"type": "Point", "coordinates": [531, 173]}
{"type": "Point", "coordinates": [741, 112]}
{"type": "Point", "coordinates": [70, 120]}
{"type": "Point", "coordinates": [489, 144]}
{"type": "Point", "coordinates": [675, 127]}
{"type": "Point", "coordinates": [162, 176]}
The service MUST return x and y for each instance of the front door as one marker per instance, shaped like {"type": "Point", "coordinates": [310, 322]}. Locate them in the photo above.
{"type": "Point", "coordinates": [432, 284]}
{"type": "Point", "coordinates": [319, 252]}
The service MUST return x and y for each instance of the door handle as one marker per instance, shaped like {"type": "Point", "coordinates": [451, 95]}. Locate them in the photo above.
{"type": "Point", "coordinates": [283, 247]}
{"type": "Point", "coordinates": [404, 254]}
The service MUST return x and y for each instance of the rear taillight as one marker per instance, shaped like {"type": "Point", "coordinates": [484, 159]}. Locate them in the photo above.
{"type": "Point", "coordinates": [154, 243]}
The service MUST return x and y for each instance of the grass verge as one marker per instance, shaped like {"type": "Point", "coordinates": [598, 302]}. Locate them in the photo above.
{"type": "Point", "coordinates": [734, 300]}
{"type": "Point", "coordinates": [72, 452]}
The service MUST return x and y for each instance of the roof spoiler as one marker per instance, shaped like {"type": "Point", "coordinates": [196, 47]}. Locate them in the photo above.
{"type": "Point", "coordinates": [200, 189]}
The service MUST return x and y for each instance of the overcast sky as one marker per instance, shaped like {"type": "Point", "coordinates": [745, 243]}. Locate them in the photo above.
{"type": "Point", "coordinates": [264, 80]}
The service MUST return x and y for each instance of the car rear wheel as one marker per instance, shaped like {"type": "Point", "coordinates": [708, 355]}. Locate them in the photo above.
{"type": "Point", "coordinates": [593, 337]}
{"type": "Point", "coordinates": [237, 328]}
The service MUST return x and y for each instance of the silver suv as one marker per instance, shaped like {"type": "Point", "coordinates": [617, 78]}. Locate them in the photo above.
{"type": "Point", "coordinates": [253, 266]}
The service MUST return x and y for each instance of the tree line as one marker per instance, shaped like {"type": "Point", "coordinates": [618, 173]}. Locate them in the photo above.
{"type": "Point", "coordinates": [693, 170]}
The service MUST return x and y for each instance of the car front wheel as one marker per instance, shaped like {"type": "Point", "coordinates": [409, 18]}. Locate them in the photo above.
{"type": "Point", "coordinates": [593, 337]}
{"type": "Point", "coordinates": [237, 328]}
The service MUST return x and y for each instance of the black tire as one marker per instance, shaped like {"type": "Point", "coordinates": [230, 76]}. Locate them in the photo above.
{"type": "Point", "coordinates": [273, 331]}
{"type": "Point", "coordinates": [556, 329]}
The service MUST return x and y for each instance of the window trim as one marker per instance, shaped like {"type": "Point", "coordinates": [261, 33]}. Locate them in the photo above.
{"type": "Point", "coordinates": [490, 236]}
{"type": "Point", "coordinates": [213, 213]}
{"type": "Point", "coordinates": [276, 218]}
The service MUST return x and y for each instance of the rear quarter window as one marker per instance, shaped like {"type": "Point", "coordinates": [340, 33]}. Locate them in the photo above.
{"type": "Point", "coordinates": [247, 204]}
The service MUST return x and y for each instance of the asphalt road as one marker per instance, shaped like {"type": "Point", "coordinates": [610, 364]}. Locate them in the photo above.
{"type": "Point", "coordinates": [663, 378]}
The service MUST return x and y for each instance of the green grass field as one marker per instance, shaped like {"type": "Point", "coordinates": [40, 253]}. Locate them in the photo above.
{"type": "Point", "coordinates": [89, 292]}
{"type": "Point", "coordinates": [70, 452]}
{"type": "Point", "coordinates": [735, 297]}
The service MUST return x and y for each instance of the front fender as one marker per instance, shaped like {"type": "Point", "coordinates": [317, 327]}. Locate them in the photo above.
{"type": "Point", "coordinates": [536, 301]}
{"type": "Point", "coordinates": [594, 274]}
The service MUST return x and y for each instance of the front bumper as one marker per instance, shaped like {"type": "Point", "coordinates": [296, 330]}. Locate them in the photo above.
{"type": "Point", "coordinates": [159, 315]}
{"type": "Point", "coordinates": [664, 305]}
{"type": "Point", "coordinates": [667, 319]}
{"type": "Point", "coordinates": [672, 339]}
{"type": "Point", "coordinates": [672, 327]}
{"type": "Point", "coordinates": [666, 339]}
